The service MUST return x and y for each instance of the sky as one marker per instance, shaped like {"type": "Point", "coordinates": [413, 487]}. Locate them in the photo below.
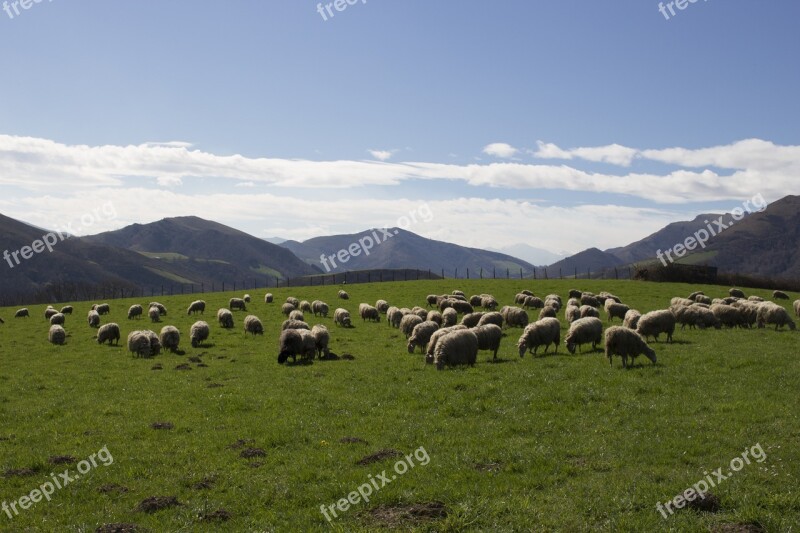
{"type": "Point", "coordinates": [562, 124]}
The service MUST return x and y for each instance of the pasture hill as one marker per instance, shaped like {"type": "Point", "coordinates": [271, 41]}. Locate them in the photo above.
{"type": "Point", "coordinates": [399, 248]}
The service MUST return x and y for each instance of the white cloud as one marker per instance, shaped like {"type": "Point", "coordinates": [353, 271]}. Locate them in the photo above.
{"type": "Point", "coordinates": [245, 184]}
{"type": "Point", "coordinates": [382, 155]}
{"type": "Point", "coordinates": [614, 154]}
{"type": "Point", "coordinates": [501, 150]}
{"type": "Point", "coordinates": [169, 181]}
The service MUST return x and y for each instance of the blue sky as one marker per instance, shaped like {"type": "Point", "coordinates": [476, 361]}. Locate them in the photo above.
{"type": "Point", "coordinates": [560, 124]}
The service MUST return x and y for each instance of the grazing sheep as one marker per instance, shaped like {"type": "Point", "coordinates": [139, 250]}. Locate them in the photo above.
{"type": "Point", "coordinates": [394, 316]}
{"type": "Point", "coordinates": [797, 307]}
{"type": "Point", "coordinates": [305, 306]}
{"type": "Point", "coordinates": [587, 299]}
{"type": "Point", "coordinates": [320, 308]}
{"type": "Point", "coordinates": [382, 306]}
{"type": "Point", "coordinates": [458, 293]}
{"type": "Point", "coordinates": [583, 331]}
{"type": "Point", "coordinates": [526, 293]}
{"type": "Point", "coordinates": [695, 316]}
{"type": "Point", "coordinates": [294, 301]}
{"type": "Point", "coordinates": [253, 325]}
{"type": "Point", "coordinates": [66, 310]}
{"type": "Point", "coordinates": [471, 320]}
{"type": "Point", "coordinates": [681, 301]}
{"type": "Point", "coordinates": [198, 306]}
{"type": "Point", "coordinates": [575, 293]}
{"type": "Point", "coordinates": [170, 338]}
{"type": "Point", "coordinates": [432, 299]}
{"type": "Point", "coordinates": [142, 344]}
{"type": "Point", "coordinates": [225, 318]}
{"type": "Point", "coordinates": [160, 307]}
{"type": "Point", "coordinates": [489, 303]}
{"type": "Point", "coordinates": [342, 295]}
{"type": "Point", "coordinates": [435, 316]}
{"type": "Point", "coordinates": [541, 333]}
{"type": "Point", "coordinates": [631, 319]}
{"type": "Point", "coordinates": [269, 298]}
{"type": "Point", "coordinates": [615, 309]}
{"type": "Point", "coordinates": [22, 313]}
{"type": "Point", "coordinates": [297, 315]}
{"type": "Point", "coordinates": [519, 298]}
{"type": "Point", "coordinates": [695, 295]}
{"type": "Point", "coordinates": [475, 300]}
{"type": "Point", "coordinates": [514, 317]}
{"type": "Point", "coordinates": [246, 298]}
{"type": "Point", "coordinates": [449, 317]}
{"type": "Point", "coordinates": [57, 335]}
{"type": "Point", "coordinates": [572, 313]}
{"type": "Point", "coordinates": [408, 323]}
{"type": "Point", "coordinates": [574, 302]}
{"type": "Point", "coordinates": [729, 316]}
{"type": "Point", "coordinates": [461, 307]}
{"type": "Point", "coordinates": [439, 333]}
{"type": "Point", "coordinates": [94, 319]}
{"type": "Point", "coordinates": [605, 296]}
{"type": "Point", "coordinates": [321, 339]}
{"type": "Point", "coordinates": [780, 295]}
{"type": "Point", "coordinates": [547, 312]}
{"type": "Point", "coordinates": [367, 312]}
{"type": "Point", "coordinates": [626, 343]}
{"type": "Point", "coordinates": [342, 318]}
{"type": "Point", "coordinates": [737, 293]}
{"type": "Point", "coordinates": [294, 324]}
{"type": "Point", "coordinates": [701, 299]}
{"type": "Point", "coordinates": [237, 304]}
{"type": "Point", "coordinates": [729, 300]}
{"type": "Point", "coordinates": [103, 309]}
{"type": "Point", "coordinates": [198, 333]}
{"type": "Point", "coordinates": [287, 308]}
{"type": "Point", "coordinates": [588, 310]}
{"type": "Point", "coordinates": [49, 312]}
{"type": "Point", "coordinates": [420, 312]}
{"type": "Point", "coordinates": [489, 337]}
{"type": "Point", "coordinates": [421, 335]}
{"type": "Point", "coordinates": [458, 347]}
{"type": "Point", "coordinates": [749, 311]}
{"type": "Point", "coordinates": [154, 314]}
{"type": "Point", "coordinates": [58, 319]}
{"type": "Point", "coordinates": [754, 298]}
{"type": "Point", "coordinates": [492, 317]}
{"type": "Point", "coordinates": [654, 323]}
{"type": "Point", "coordinates": [294, 342]}
{"type": "Point", "coordinates": [770, 313]}
{"type": "Point", "coordinates": [108, 332]}
{"type": "Point", "coordinates": [532, 302]}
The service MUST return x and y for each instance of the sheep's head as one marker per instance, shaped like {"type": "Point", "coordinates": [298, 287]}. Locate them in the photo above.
{"type": "Point", "coordinates": [650, 354]}
{"type": "Point", "coordinates": [570, 346]}
{"type": "Point", "coordinates": [283, 357]}
{"type": "Point", "coordinates": [523, 347]}
{"type": "Point", "coordinates": [411, 347]}
{"type": "Point", "coordinates": [791, 325]}
{"type": "Point", "coordinates": [429, 359]}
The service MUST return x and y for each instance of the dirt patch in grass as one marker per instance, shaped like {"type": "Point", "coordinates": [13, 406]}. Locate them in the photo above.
{"type": "Point", "coordinates": [214, 385]}
{"type": "Point", "coordinates": [255, 464]}
{"type": "Point", "coordinates": [154, 504]}
{"type": "Point", "coordinates": [183, 366]}
{"type": "Point", "coordinates": [250, 453]}
{"type": "Point", "coordinates": [348, 357]}
{"type": "Point", "coordinates": [10, 437]}
{"type": "Point", "coordinates": [19, 472]}
{"type": "Point", "coordinates": [157, 366]}
{"type": "Point", "coordinates": [205, 483]}
{"type": "Point", "coordinates": [379, 456]}
{"type": "Point", "coordinates": [220, 515]}
{"type": "Point", "coordinates": [118, 528]}
{"type": "Point", "coordinates": [202, 365]}
{"type": "Point", "coordinates": [62, 460]}
{"type": "Point", "coordinates": [162, 425]}
{"type": "Point", "coordinates": [239, 444]}
{"type": "Point", "coordinates": [112, 488]}
{"type": "Point", "coordinates": [352, 440]}
{"type": "Point", "coordinates": [401, 515]}
{"type": "Point", "coordinates": [195, 359]}
{"type": "Point", "coordinates": [709, 504]}
{"type": "Point", "coordinates": [750, 527]}
{"type": "Point", "coordinates": [488, 467]}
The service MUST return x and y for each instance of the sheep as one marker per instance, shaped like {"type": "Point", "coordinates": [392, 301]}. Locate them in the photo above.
{"type": "Point", "coordinates": [780, 295]}
{"type": "Point", "coordinates": [382, 306]}
{"type": "Point", "coordinates": [367, 312]}
{"type": "Point", "coordinates": [321, 339]}
{"type": "Point", "coordinates": [287, 308]}
{"type": "Point", "coordinates": [770, 313]}
{"type": "Point", "coordinates": [695, 316]}
{"type": "Point", "coordinates": [103, 309]}
{"type": "Point", "coordinates": [269, 298]}
{"type": "Point", "coordinates": [170, 338]}
{"type": "Point", "coordinates": [342, 295]}
{"type": "Point", "coordinates": [591, 300]}
{"type": "Point", "coordinates": [515, 317]}
{"type": "Point", "coordinates": [420, 312]}
{"type": "Point", "coordinates": [253, 325]}
{"type": "Point", "coordinates": [749, 311]}
{"type": "Point", "coordinates": [701, 304]}
{"type": "Point", "coordinates": [729, 300]}
{"type": "Point", "coordinates": [458, 347]}
{"type": "Point", "coordinates": [393, 317]}
{"type": "Point", "coordinates": [588, 310]}
{"type": "Point", "coordinates": [438, 334]}
{"type": "Point", "coordinates": [49, 312]}
{"type": "Point", "coordinates": [475, 300]}
{"type": "Point", "coordinates": [489, 337]}
{"type": "Point", "coordinates": [541, 333]}
{"type": "Point", "coordinates": [342, 318]}
{"type": "Point", "coordinates": [489, 303]}
{"type": "Point", "coordinates": [305, 306]}
{"type": "Point", "coordinates": [583, 331]}
{"type": "Point", "coordinates": [458, 293]}
{"type": "Point", "coordinates": [198, 306]}
{"type": "Point", "coordinates": [160, 307]}
{"type": "Point", "coordinates": [615, 309]}
{"type": "Point", "coordinates": [797, 307]}
{"type": "Point", "coordinates": [225, 318]}
{"type": "Point", "coordinates": [237, 304]}
{"type": "Point", "coordinates": [575, 293]}
{"type": "Point", "coordinates": [532, 302]}
{"type": "Point", "coordinates": [93, 318]}
{"type": "Point", "coordinates": [140, 343]}
{"type": "Point", "coordinates": [605, 296]}
{"type": "Point", "coordinates": [421, 335]}
{"type": "Point", "coordinates": [408, 323]}
{"type": "Point", "coordinates": [461, 307]}
{"type": "Point", "coordinates": [66, 310]}
{"type": "Point", "coordinates": [574, 302]}
{"type": "Point", "coordinates": [554, 301]}
{"type": "Point", "coordinates": [57, 335]}
{"type": "Point", "coordinates": [154, 314]}
{"type": "Point", "coordinates": [572, 313]}
{"type": "Point", "coordinates": [654, 323]}
{"type": "Point", "coordinates": [737, 293]}
{"type": "Point", "coordinates": [626, 343]}
{"type": "Point", "coordinates": [294, 324]}
{"type": "Point", "coordinates": [297, 315]}
{"type": "Point", "coordinates": [246, 298]}
{"type": "Point", "coordinates": [320, 308]}
{"type": "Point", "coordinates": [729, 316]}
{"type": "Point", "coordinates": [108, 332]}
{"type": "Point", "coordinates": [449, 317]}
{"type": "Point", "coordinates": [22, 313]}
{"type": "Point", "coordinates": [519, 298]}
{"type": "Point", "coordinates": [198, 333]}
{"type": "Point", "coordinates": [547, 312]}
{"type": "Point", "coordinates": [492, 317]}
{"type": "Point", "coordinates": [754, 298]}
{"type": "Point", "coordinates": [681, 301]}
{"type": "Point", "coordinates": [435, 316]}
{"type": "Point", "coordinates": [471, 320]}
{"type": "Point", "coordinates": [58, 319]}
{"type": "Point", "coordinates": [695, 295]}
{"type": "Point", "coordinates": [432, 300]}
{"type": "Point", "coordinates": [526, 293]}
{"type": "Point", "coordinates": [700, 299]}
{"type": "Point", "coordinates": [631, 319]}
{"type": "Point", "coordinates": [294, 342]}
{"type": "Point", "coordinates": [294, 301]}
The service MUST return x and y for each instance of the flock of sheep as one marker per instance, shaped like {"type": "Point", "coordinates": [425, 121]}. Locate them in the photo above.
{"type": "Point", "coordinates": [444, 339]}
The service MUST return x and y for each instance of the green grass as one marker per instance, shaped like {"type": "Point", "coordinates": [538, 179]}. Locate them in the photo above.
{"type": "Point", "coordinates": [561, 442]}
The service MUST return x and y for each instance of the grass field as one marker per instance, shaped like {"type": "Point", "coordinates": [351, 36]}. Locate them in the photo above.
{"type": "Point", "coordinates": [558, 442]}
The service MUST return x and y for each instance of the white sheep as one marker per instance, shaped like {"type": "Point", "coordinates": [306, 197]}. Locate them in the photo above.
{"type": "Point", "coordinates": [170, 338]}
{"type": "Point", "coordinates": [253, 325]}
{"type": "Point", "coordinates": [294, 301]}
{"type": "Point", "coordinates": [488, 302]}
{"type": "Point", "coordinates": [103, 309]}
{"type": "Point", "coordinates": [514, 317]}
{"type": "Point", "coordinates": [730, 316]}
{"type": "Point", "coordinates": [198, 333]}
{"type": "Point", "coordinates": [297, 315]}
{"type": "Point", "coordinates": [269, 298]}
{"type": "Point", "coordinates": [432, 299]}
{"type": "Point", "coordinates": [93, 317]}
{"type": "Point", "coordinates": [701, 299]}
{"type": "Point", "coordinates": [382, 306]}
{"type": "Point", "coordinates": [547, 312]}
{"type": "Point", "coordinates": [780, 295]}
{"type": "Point", "coordinates": [449, 317]}
{"type": "Point", "coordinates": [590, 299]}
{"type": "Point", "coordinates": [108, 333]}
{"type": "Point", "coordinates": [343, 295]}
{"type": "Point", "coordinates": [198, 306]}
{"type": "Point", "coordinates": [394, 316]}
{"type": "Point", "coordinates": [771, 313]}
{"type": "Point", "coordinates": [572, 313]}
{"type": "Point", "coordinates": [589, 310]}
{"type": "Point", "coordinates": [294, 342]}
{"type": "Point", "coordinates": [305, 306]}
{"type": "Point", "coordinates": [439, 333]}
{"type": "Point", "coordinates": [736, 293]}
{"type": "Point", "coordinates": [583, 331]}
{"type": "Point", "coordinates": [287, 308]}
{"type": "Point", "coordinates": [22, 313]}
{"type": "Point", "coordinates": [420, 312]}
{"type": "Point", "coordinates": [435, 316]}
{"type": "Point", "coordinates": [319, 308]}
{"type": "Point", "coordinates": [294, 324]}
{"type": "Point", "coordinates": [237, 304]}
{"type": "Point", "coordinates": [161, 308]}
{"type": "Point", "coordinates": [492, 317]}
{"type": "Point", "coordinates": [154, 314]}
{"type": "Point", "coordinates": [246, 298]}
{"type": "Point", "coordinates": [654, 323]}
{"type": "Point", "coordinates": [541, 333]}
{"type": "Point", "coordinates": [626, 343]}
{"type": "Point", "coordinates": [615, 310]}
{"type": "Point", "coordinates": [49, 312]}
{"type": "Point", "coordinates": [631, 319]}
{"type": "Point", "coordinates": [408, 323]}
{"type": "Point", "coordinates": [797, 307]}
{"type": "Point", "coordinates": [458, 347]}
{"type": "Point", "coordinates": [754, 298]}
{"type": "Point", "coordinates": [367, 312]}
{"type": "Point", "coordinates": [58, 319]}
{"type": "Point", "coordinates": [225, 318]}
{"type": "Point", "coordinates": [135, 311]}
{"type": "Point", "coordinates": [66, 310]}
{"type": "Point", "coordinates": [532, 302]}
{"type": "Point", "coordinates": [342, 318]}
{"type": "Point", "coordinates": [471, 320]}
{"type": "Point", "coordinates": [421, 335]}
{"type": "Point", "coordinates": [321, 339]}
{"type": "Point", "coordinates": [144, 343]}
{"type": "Point", "coordinates": [57, 335]}
{"type": "Point", "coordinates": [489, 337]}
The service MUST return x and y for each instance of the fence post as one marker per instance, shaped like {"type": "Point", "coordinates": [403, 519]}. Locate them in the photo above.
{"type": "Point", "coordinates": [545, 274]}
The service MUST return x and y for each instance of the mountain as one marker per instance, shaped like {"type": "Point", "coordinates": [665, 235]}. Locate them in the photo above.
{"type": "Point", "coordinates": [397, 248]}
{"type": "Point", "coordinates": [531, 254]}
{"type": "Point", "coordinates": [275, 240]}
{"type": "Point", "coordinates": [592, 259]}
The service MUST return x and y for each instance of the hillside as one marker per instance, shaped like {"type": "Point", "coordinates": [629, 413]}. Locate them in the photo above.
{"type": "Point", "coordinates": [592, 259]}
